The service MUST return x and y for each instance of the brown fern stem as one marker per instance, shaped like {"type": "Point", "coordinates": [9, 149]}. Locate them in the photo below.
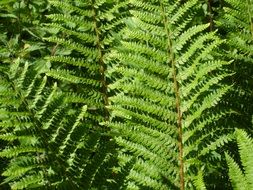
{"type": "Point", "coordinates": [180, 130]}
{"type": "Point", "coordinates": [53, 51]}
{"type": "Point", "coordinates": [210, 14]}
{"type": "Point", "coordinates": [102, 66]}
{"type": "Point", "coordinates": [171, 59]}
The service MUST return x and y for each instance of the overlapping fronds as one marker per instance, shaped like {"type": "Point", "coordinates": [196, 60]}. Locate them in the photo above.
{"type": "Point", "coordinates": [164, 97]}
{"type": "Point", "coordinates": [21, 95]}
{"type": "Point", "coordinates": [241, 178]}
{"type": "Point", "coordinates": [238, 20]}
{"type": "Point", "coordinates": [49, 144]}
{"type": "Point", "coordinates": [86, 31]}
{"type": "Point", "coordinates": [236, 25]}
{"type": "Point", "coordinates": [168, 84]}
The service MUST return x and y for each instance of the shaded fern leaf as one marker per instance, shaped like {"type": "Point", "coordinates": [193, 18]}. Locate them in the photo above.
{"type": "Point", "coordinates": [19, 126]}
{"type": "Point", "coordinates": [236, 24]}
{"type": "Point", "coordinates": [49, 143]}
{"type": "Point", "coordinates": [238, 18]}
{"type": "Point", "coordinates": [169, 85]}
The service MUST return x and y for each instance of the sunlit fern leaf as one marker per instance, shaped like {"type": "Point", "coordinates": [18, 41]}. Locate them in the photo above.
{"type": "Point", "coordinates": [241, 178]}
{"type": "Point", "coordinates": [245, 143]}
{"type": "Point", "coordinates": [88, 30]}
{"type": "Point", "coordinates": [236, 175]}
{"type": "Point", "coordinates": [169, 84]}
{"type": "Point", "coordinates": [199, 182]}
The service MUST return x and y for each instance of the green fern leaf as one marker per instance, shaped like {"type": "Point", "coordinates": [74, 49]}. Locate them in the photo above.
{"type": "Point", "coordinates": [169, 85]}
{"type": "Point", "coordinates": [245, 143]}
{"type": "Point", "coordinates": [241, 179]}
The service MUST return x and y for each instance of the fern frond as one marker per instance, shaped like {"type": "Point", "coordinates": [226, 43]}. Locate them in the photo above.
{"type": "Point", "coordinates": [50, 144]}
{"type": "Point", "coordinates": [169, 84]}
{"type": "Point", "coordinates": [82, 145]}
{"type": "Point", "coordinates": [19, 127]}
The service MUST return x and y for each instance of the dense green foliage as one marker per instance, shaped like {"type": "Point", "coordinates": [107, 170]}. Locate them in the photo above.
{"type": "Point", "coordinates": [131, 94]}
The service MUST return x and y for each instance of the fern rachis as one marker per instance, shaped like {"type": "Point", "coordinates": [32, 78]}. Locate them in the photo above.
{"type": "Point", "coordinates": [187, 77]}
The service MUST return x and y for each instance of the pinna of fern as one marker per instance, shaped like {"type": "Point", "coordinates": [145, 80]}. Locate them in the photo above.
{"type": "Point", "coordinates": [169, 84]}
{"type": "Point", "coordinates": [241, 175]}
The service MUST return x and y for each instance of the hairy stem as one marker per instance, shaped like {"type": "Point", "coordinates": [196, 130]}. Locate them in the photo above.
{"type": "Point", "coordinates": [171, 59]}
